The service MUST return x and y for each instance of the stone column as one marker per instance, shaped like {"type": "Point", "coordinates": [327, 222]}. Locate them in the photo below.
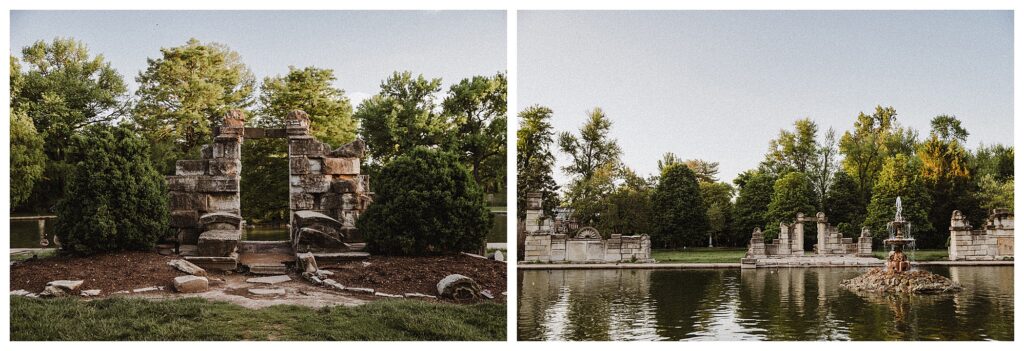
{"type": "Point", "coordinates": [534, 212]}
{"type": "Point", "coordinates": [798, 235]}
{"type": "Point", "coordinates": [783, 242]}
{"type": "Point", "coordinates": [822, 233]}
{"type": "Point", "coordinates": [959, 234]}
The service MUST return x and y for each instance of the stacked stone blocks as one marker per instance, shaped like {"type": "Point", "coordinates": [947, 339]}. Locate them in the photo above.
{"type": "Point", "coordinates": [542, 244]}
{"type": "Point", "coordinates": [993, 242]}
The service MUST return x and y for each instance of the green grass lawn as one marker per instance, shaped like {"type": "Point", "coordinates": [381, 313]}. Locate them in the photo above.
{"type": "Point", "coordinates": [21, 256]}
{"type": "Point", "coordinates": [700, 255]}
{"type": "Point", "coordinates": [200, 319]}
{"type": "Point", "coordinates": [919, 255]}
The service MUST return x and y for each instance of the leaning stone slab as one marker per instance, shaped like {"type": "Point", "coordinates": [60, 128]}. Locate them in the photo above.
{"type": "Point", "coordinates": [191, 284]}
{"type": "Point", "coordinates": [220, 221]}
{"type": "Point", "coordinates": [269, 280]}
{"type": "Point", "coordinates": [458, 287]}
{"type": "Point", "coordinates": [267, 292]}
{"type": "Point", "coordinates": [187, 267]}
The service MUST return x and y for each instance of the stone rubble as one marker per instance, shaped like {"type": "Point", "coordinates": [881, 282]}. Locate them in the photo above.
{"type": "Point", "coordinates": [877, 280]}
{"type": "Point", "coordinates": [269, 280]}
{"type": "Point", "coordinates": [191, 284]}
{"type": "Point", "coordinates": [458, 287]}
{"type": "Point", "coordinates": [187, 267]}
{"type": "Point", "coordinates": [59, 288]}
{"type": "Point", "coordinates": [91, 292]}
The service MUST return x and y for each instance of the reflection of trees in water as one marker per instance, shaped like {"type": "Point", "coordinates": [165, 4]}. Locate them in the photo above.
{"type": "Point", "coordinates": [775, 304]}
{"type": "Point", "coordinates": [584, 304]}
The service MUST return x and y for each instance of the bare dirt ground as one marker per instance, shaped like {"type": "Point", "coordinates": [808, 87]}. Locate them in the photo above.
{"type": "Point", "coordinates": [118, 272]}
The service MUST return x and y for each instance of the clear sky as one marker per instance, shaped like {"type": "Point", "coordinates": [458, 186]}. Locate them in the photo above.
{"type": "Point", "coordinates": [718, 85]}
{"type": "Point", "coordinates": [363, 47]}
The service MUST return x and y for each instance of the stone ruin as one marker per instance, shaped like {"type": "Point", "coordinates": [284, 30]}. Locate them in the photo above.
{"type": "Point", "coordinates": [992, 242]}
{"type": "Point", "coordinates": [543, 244]}
{"type": "Point", "coordinates": [326, 195]}
{"type": "Point", "coordinates": [790, 242]}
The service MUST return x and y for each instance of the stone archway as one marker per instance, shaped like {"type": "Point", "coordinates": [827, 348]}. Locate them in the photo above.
{"type": "Point", "coordinates": [326, 191]}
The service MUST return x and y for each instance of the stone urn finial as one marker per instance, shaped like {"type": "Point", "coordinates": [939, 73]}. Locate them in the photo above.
{"type": "Point", "coordinates": [297, 120]}
{"type": "Point", "coordinates": [234, 119]}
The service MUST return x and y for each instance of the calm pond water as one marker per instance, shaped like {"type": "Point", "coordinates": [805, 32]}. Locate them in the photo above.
{"type": "Point", "coordinates": [760, 304]}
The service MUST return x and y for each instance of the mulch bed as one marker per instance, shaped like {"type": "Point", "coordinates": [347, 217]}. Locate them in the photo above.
{"type": "Point", "coordinates": [398, 275]}
{"type": "Point", "coordinates": [109, 272]}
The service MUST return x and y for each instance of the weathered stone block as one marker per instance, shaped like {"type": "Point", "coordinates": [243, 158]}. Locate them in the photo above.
{"type": "Point", "coordinates": [316, 165]}
{"type": "Point", "coordinates": [223, 202]}
{"type": "Point", "coordinates": [184, 219]}
{"type": "Point", "coordinates": [191, 284]}
{"type": "Point", "coordinates": [345, 186]}
{"type": "Point", "coordinates": [353, 149]}
{"type": "Point", "coordinates": [182, 183]}
{"type": "Point", "coordinates": [311, 183]}
{"type": "Point", "coordinates": [221, 221]}
{"type": "Point", "coordinates": [217, 184]}
{"type": "Point", "coordinates": [206, 152]}
{"type": "Point", "coordinates": [225, 167]}
{"type": "Point", "coordinates": [190, 167]}
{"type": "Point", "coordinates": [218, 243]}
{"type": "Point", "coordinates": [330, 201]}
{"type": "Point", "coordinates": [227, 148]}
{"type": "Point", "coordinates": [305, 146]}
{"type": "Point", "coordinates": [301, 201]}
{"type": "Point", "coordinates": [340, 165]}
{"type": "Point", "coordinates": [299, 164]}
{"type": "Point", "coordinates": [349, 201]}
{"type": "Point", "coordinates": [179, 200]}
{"type": "Point", "coordinates": [312, 240]}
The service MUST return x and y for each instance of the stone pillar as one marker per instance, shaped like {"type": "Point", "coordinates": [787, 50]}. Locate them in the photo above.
{"type": "Point", "coordinates": [757, 249]}
{"type": "Point", "coordinates": [864, 243]}
{"type": "Point", "coordinates": [959, 235]}
{"type": "Point", "coordinates": [534, 212]}
{"type": "Point", "coordinates": [798, 235]}
{"type": "Point", "coordinates": [822, 233]}
{"type": "Point", "coordinates": [783, 240]}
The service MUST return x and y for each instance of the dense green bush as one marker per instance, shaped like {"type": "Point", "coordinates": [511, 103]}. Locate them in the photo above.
{"type": "Point", "coordinates": [114, 198]}
{"type": "Point", "coordinates": [426, 203]}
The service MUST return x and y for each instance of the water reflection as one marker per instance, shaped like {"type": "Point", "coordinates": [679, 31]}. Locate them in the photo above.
{"type": "Point", "coordinates": [761, 304]}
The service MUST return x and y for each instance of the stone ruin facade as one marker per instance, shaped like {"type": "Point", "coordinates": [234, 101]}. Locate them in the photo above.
{"type": "Point", "coordinates": [326, 193]}
{"type": "Point", "coordinates": [543, 244]}
{"type": "Point", "coordinates": [790, 242]}
{"type": "Point", "coordinates": [992, 242]}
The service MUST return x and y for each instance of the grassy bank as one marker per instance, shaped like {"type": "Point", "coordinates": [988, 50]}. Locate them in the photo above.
{"type": "Point", "coordinates": [919, 255]}
{"type": "Point", "coordinates": [200, 319]}
{"type": "Point", "coordinates": [700, 255]}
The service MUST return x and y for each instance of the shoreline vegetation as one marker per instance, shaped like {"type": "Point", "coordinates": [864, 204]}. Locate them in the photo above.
{"type": "Point", "coordinates": [199, 319]}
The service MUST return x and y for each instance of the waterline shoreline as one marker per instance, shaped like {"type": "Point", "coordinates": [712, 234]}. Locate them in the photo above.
{"type": "Point", "coordinates": [549, 266]}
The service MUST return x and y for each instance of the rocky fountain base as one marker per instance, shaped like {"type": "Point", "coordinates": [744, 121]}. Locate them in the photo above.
{"type": "Point", "coordinates": [878, 280]}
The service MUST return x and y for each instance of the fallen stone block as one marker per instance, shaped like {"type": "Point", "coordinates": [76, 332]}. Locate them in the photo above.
{"type": "Point", "coordinates": [458, 287]}
{"type": "Point", "coordinates": [498, 256]}
{"type": "Point", "coordinates": [420, 295]}
{"type": "Point", "coordinates": [58, 288]}
{"type": "Point", "coordinates": [341, 165]}
{"type": "Point", "coordinates": [20, 292]}
{"type": "Point", "coordinates": [359, 290]}
{"type": "Point", "coordinates": [307, 262]}
{"type": "Point", "coordinates": [91, 292]}
{"type": "Point", "coordinates": [220, 221]}
{"type": "Point", "coordinates": [269, 280]}
{"type": "Point", "coordinates": [187, 267]}
{"type": "Point", "coordinates": [386, 295]}
{"type": "Point", "coordinates": [144, 290]}
{"type": "Point", "coordinates": [487, 294]}
{"type": "Point", "coordinates": [191, 284]}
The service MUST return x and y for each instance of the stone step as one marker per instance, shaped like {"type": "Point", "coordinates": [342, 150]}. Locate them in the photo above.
{"type": "Point", "coordinates": [250, 246]}
{"type": "Point", "coordinates": [268, 269]}
{"type": "Point", "coordinates": [227, 263]}
{"type": "Point", "coordinates": [337, 257]}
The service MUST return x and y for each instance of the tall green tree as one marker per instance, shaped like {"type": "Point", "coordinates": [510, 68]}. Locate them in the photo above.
{"type": "Point", "coordinates": [717, 198]}
{"type": "Point", "coordinates": [627, 209]}
{"type": "Point", "coordinates": [184, 94]}
{"type": "Point", "coordinates": [995, 160]}
{"type": "Point", "coordinates": [795, 150]}
{"type": "Point", "coordinates": [791, 194]}
{"type": "Point", "coordinates": [874, 138]}
{"type": "Point", "coordinates": [114, 200]}
{"type": "Point", "coordinates": [477, 109]}
{"type": "Point", "coordinates": [900, 177]}
{"type": "Point", "coordinates": [668, 159]}
{"type": "Point", "coordinates": [311, 90]}
{"type": "Point", "coordinates": [678, 215]}
{"type": "Point", "coordinates": [402, 116]}
{"type": "Point", "coordinates": [842, 203]}
{"type": "Point", "coordinates": [27, 157]}
{"type": "Point", "coordinates": [945, 172]}
{"type": "Point", "coordinates": [823, 170]}
{"type": "Point", "coordinates": [751, 209]}
{"type": "Point", "coordinates": [593, 150]}
{"type": "Point", "coordinates": [535, 162]}
{"type": "Point", "coordinates": [706, 171]}
{"type": "Point", "coordinates": [993, 193]}
{"type": "Point", "coordinates": [63, 90]}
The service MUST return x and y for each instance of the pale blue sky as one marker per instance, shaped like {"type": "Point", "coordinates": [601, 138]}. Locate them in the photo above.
{"type": "Point", "coordinates": [363, 47]}
{"type": "Point", "coordinates": [718, 85]}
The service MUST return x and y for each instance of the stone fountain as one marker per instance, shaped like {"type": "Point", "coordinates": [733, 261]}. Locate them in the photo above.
{"type": "Point", "coordinates": [897, 276]}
